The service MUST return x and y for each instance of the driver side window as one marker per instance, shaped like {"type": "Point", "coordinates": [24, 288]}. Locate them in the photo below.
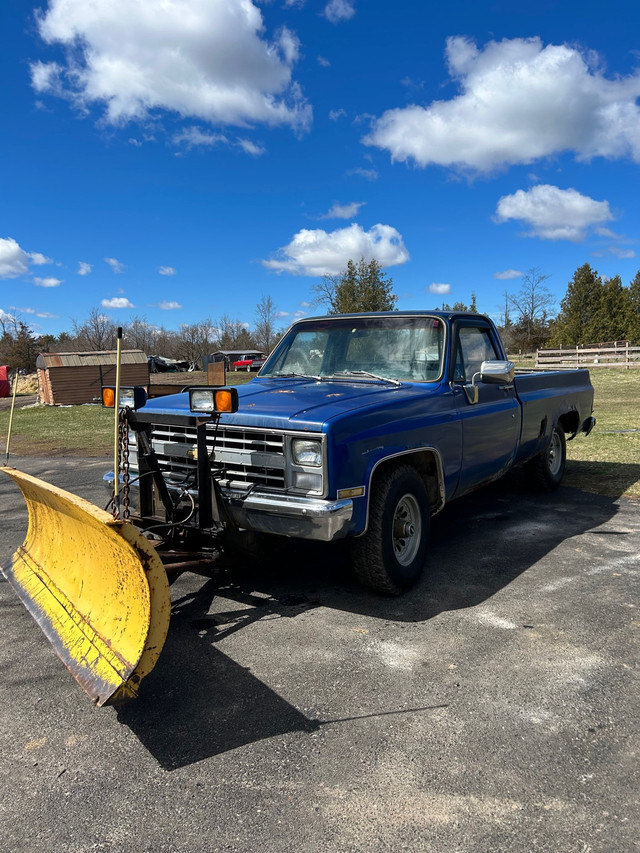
{"type": "Point", "coordinates": [474, 345]}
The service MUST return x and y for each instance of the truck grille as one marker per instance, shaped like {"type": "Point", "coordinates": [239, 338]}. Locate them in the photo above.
{"type": "Point", "coordinates": [244, 457]}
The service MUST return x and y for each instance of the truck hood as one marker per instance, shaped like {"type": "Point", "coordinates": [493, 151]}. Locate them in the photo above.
{"type": "Point", "coordinates": [300, 403]}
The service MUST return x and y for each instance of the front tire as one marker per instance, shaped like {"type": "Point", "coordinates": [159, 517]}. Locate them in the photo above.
{"type": "Point", "coordinates": [389, 558]}
{"type": "Point", "coordinates": [546, 470]}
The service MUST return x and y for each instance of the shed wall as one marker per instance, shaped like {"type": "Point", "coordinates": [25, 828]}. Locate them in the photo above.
{"type": "Point", "coordinates": [64, 386]}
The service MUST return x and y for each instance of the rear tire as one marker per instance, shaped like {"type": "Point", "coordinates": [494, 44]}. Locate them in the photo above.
{"type": "Point", "coordinates": [389, 558]}
{"type": "Point", "coordinates": [546, 470]}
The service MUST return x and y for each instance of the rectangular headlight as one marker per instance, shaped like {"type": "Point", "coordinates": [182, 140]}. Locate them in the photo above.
{"type": "Point", "coordinates": [306, 452]}
{"type": "Point", "coordinates": [213, 400]}
{"type": "Point", "coordinates": [133, 397]}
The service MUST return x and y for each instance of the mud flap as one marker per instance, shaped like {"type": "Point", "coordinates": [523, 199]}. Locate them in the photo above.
{"type": "Point", "coordinates": [95, 586]}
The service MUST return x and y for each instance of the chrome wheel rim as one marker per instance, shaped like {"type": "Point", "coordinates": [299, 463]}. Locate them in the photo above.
{"type": "Point", "coordinates": [407, 530]}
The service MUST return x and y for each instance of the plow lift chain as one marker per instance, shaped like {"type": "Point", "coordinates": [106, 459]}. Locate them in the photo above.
{"type": "Point", "coordinates": [123, 450]}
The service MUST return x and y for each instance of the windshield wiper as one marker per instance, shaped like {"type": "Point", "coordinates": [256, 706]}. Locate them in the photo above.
{"type": "Point", "coordinates": [295, 376]}
{"type": "Point", "coordinates": [366, 374]}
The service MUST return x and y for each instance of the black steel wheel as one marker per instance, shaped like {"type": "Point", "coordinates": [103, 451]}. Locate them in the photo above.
{"type": "Point", "coordinates": [546, 470]}
{"type": "Point", "coordinates": [389, 558]}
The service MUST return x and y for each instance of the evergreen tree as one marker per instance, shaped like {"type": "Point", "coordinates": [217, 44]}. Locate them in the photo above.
{"type": "Point", "coordinates": [361, 287]}
{"type": "Point", "coordinates": [578, 320]}
{"type": "Point", "coordinates": [461, 306]}
{"type": "Point", "coordinates": [632, 332]}
{"type": "Point", "coordinates": [614, 311]}
{"type": "Point", "coordinates": [24, 349]}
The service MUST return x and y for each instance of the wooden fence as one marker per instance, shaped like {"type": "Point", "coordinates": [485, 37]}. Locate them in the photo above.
{"type": "Point", "coordinates": [618, 354]}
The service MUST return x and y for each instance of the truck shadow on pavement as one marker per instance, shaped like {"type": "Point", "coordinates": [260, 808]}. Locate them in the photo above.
{"type": "Point", "coordinates": [198, 702]}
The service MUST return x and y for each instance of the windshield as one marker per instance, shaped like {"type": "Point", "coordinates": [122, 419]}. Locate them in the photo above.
{"type": "Point", "coordinates": [395, 348]}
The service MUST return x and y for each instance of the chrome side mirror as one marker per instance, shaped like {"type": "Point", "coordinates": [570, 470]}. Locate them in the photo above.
{"type": "Point", "coordinates": [492, 373]}
{"type": "Point", "coordinates": [497, 372]}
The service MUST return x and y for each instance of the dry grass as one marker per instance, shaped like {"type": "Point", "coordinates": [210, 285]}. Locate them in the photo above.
{"type": "Point", "coordinates": [607, 462]}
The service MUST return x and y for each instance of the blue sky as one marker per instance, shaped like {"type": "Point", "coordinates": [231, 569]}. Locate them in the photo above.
{"type": "Point", "coordinates": [175, 160]}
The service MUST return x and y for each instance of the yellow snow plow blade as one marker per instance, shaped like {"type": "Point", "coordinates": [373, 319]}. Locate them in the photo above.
{"type": "Point", "coordinates": [95, 586]}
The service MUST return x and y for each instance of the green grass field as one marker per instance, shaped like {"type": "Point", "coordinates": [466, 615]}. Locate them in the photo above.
{"type": "Point", "coordinates": [607, 462]}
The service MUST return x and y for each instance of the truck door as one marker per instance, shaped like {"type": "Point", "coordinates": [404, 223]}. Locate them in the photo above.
{"type": "Point", "coordinates": [490, 427]}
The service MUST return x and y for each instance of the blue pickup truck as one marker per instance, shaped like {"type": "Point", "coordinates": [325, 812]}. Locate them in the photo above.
{"type": "Point", "coordinates": [358, 426]}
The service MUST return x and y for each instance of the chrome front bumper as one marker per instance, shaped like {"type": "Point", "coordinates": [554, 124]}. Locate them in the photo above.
{"type": "Point", "coordinates": [295, 516]}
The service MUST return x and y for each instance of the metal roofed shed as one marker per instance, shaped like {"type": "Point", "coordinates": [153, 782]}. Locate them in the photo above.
{"type": "Point", "coordinates": [73, 378]}
{"type": "Point", "coordinates": [229, 356]}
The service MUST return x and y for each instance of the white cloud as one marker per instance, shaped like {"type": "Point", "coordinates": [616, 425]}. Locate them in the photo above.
{"type": "Point", "coordinates": [439, 289]}
{"type": "Point", "coordinates": [324, 62]}
{"type": "Point", "coordinates": [197, 58]}
{"type": "Point", "coordinates": [343, 211]}
{"type": "Point", "coordinates": [192, 137]}
{"type": "Point", "coordinates": [169, 306]}
{"type": "Point", "coordinates": [507, 275]}
{"type": "Point", "coordinates": [317, 252]}
{"type": "Point", "coordinates": [115, 264]}
{"type": "Point", "coordinates": [250, 147]}
{"type": "Point", "coordinates": [14, 261]}
{"type": "Point", "coordinates": [552, 213]}
{"type": "Point", "coordinates": [601, 231]}
{"type": "Point", "coordinates": [39, 259]}
{"type": "Point", "coordinates": [518, 102]}
{"type": "Point", "coordinates": [167, 270]}
{"type": "Point", "coordinates": [369, 174]}
{"type": "Point", "coordinates": [623, 254]}
{"type": "Point", "coordinates": [44, 315]}
{"type": "Point", "coordinates": [339, 10]}
{"type": "Point", "coordinates": [47, 282]}
{"type": "Point", "coordinates": [334, 115]}
{"type": "Point", "coordinates": [117, 302]}
{"type": "Point", "coordinates": [84, 268]}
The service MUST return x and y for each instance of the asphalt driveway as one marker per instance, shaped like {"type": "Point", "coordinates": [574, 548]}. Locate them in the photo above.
{"type": "Point", "coordinates": [494, 708]}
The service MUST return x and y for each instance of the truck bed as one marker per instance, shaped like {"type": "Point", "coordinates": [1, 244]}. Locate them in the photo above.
{"type": "Point", "coordinates": [549, 396]}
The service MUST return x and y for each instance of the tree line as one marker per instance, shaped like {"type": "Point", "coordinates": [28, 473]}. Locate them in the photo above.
{"type": "Point", "coordinates": [594, 310]}
{"type": "Point", "coordinates": [19, 346]}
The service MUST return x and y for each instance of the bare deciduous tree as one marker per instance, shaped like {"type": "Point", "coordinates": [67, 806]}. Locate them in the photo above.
{"type": "Point", "coordinates": [98, 332]}
{"type": "Point", "coordinates": [265, 334]}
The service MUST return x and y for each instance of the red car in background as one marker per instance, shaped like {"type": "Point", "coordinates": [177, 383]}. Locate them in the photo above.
{"type": "Point", "coordinates": [249, 364]}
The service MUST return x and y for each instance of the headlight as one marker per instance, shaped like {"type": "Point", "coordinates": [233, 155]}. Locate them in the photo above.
{"type": "Point", "coordinates": [130, 397]}
{"type": "Point", "coordinates": [210, 400]}
{"type": "Point", "coordinates": [307, 452]}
